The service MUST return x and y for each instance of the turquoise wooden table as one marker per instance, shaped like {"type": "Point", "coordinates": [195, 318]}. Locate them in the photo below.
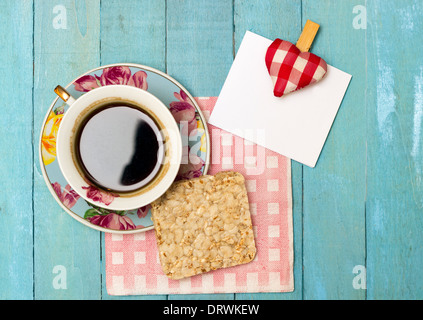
{"type": "Point", "coordinates": [358, 216]}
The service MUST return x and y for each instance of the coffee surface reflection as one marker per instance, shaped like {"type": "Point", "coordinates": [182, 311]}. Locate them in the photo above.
{"type": "Point", "coordinates": [119, 147]}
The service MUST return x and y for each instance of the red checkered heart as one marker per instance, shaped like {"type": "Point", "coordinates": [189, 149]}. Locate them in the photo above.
{"type": "Point", "coordinates": [291, 69]}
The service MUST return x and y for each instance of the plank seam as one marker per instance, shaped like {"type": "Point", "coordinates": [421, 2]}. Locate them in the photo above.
{"type": "Point", "coordinates": [33, 149]}
{"type": "Point", "coordinates": [233, 29]}
{"type": "Point", "coordinates": [101, 235]}
{"type": "Point", "coordinates": [302, 193]}
{"type": "Point", "coordinates": [365, 170]}
{"type": "Point", "coordinates": [165, 34]}
{"type": "Point", "coordinates": [165, 61]}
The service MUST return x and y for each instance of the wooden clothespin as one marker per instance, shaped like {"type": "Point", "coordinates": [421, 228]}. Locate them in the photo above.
{"type": "Point", "coordinates": [307, 36]}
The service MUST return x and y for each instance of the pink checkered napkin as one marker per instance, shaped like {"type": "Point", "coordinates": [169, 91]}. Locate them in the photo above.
{"type": "Point", "coordinates": [132, 261]}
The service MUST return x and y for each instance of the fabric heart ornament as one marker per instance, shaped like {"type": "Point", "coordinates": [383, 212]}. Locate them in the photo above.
{"type": "Point", "coordinates": [291, 69]}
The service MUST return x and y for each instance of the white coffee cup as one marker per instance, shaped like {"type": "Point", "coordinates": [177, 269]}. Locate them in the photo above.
{"type": "Point", "coordinates": [66, 146]}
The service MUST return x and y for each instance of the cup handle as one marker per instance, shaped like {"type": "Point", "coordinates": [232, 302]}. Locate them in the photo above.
{"type": "Point", "coordinates": [64, 95]}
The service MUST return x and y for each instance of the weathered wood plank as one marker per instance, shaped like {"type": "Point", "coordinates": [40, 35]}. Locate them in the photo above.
{"type": "Point", "coordinates": [386, 88]}
{"type": "Point", "coordinates": [199, 44]}
{"type": "Point", "coordinates": [16, 211]}
{"type": "Point", "coordinates": [199, 55]}
{"type": "Point", "coordinates": [276, 19]}
{"type": "Point", "coordinates": [134, 32]}
{"type": "Point", "coordinates": [67, 44]}
{"type": "Point", "coordinates": [334, 191]}
{"type": "Point", "coordinates": [394, 150]}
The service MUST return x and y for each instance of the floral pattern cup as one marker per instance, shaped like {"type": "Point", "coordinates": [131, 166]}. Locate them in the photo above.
{"type": "Point", "coordinates": [193, 130]}
{"type": "Point", "coordinates": [68, 162]}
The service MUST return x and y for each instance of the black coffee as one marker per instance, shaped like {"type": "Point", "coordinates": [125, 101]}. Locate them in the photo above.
{"type": "Point", "coordinates": [119, 147]}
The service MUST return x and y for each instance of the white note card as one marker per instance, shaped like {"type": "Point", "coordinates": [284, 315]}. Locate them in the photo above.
{"type": "Point", "coordinates": [295, 125]}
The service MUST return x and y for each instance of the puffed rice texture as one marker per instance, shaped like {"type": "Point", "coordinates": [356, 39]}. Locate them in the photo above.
{"type": "Point", "coordinates": [204, 224]}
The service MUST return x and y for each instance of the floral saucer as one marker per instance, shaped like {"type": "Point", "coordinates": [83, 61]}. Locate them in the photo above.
{"type": "Point", "coordinates": [192, 125]}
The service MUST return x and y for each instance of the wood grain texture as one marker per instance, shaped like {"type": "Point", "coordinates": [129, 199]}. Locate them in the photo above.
{"type": "Point", "coordinates": [361, 205]}
{"type": "Point", "coordinates": [199, 44]}
{"type": "Point", "coordinates": [133, 32]}
{"type": "Point", "coordinates": [395, 150]}
{"type": "Point", "coordinates": [334, 191]}
{"type": "Point", "coordinates": [16, 227]}
{"type": "Point", "coordinates": [199, 55]}
{"type": "Point", "coordinates": [60, 55]}
{"type": "Point", "coordinates": [282, 20]}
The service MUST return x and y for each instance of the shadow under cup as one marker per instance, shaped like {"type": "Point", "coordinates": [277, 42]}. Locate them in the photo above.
{"type": "Point", "coordinates": [120, 146]}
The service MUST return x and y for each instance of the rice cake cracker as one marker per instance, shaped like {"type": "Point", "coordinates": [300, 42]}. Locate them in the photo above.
{"type": "Point", "coordinates": [203, 224]}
